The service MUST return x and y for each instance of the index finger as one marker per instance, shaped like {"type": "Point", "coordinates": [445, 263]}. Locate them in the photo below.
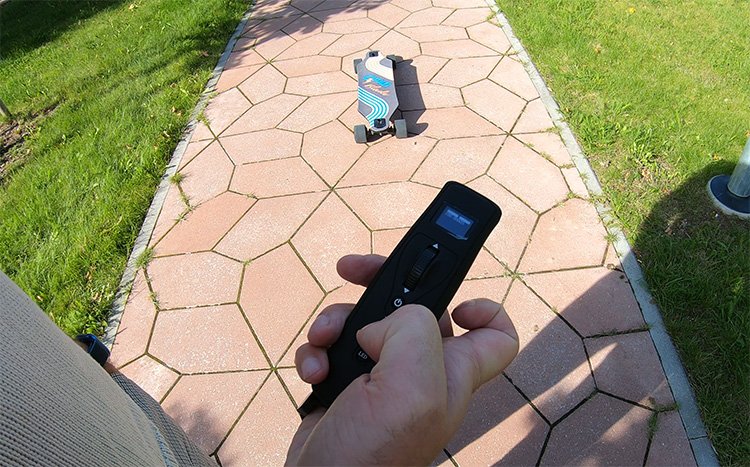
{"type": "Point", "coordinates": [359, 269]}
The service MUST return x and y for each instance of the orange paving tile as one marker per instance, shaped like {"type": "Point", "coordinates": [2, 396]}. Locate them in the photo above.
{"type": "Point", "coordinates": [213, 321]}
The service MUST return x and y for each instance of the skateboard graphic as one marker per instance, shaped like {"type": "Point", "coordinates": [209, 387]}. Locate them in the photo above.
{"type": "Point", "coordinates": [376, 93]}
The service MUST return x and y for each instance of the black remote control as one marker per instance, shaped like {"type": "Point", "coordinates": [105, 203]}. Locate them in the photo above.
{"type": "Point", "coordinates": [426, 268]}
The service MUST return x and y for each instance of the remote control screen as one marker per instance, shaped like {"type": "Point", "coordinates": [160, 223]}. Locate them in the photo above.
{"type": "Point", "coordinates": [454, 222]}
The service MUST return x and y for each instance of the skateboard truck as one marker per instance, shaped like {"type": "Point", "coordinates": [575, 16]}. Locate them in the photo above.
{"type": "Point", "coordinates": [376, 93]}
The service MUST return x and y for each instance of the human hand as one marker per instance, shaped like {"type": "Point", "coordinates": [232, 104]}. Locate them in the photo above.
{"type": "Point", "coordinates": [415, 398]}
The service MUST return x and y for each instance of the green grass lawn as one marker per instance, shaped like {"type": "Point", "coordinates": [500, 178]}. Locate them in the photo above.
{"type": "Point", "coordinates": [657, 93]}
{"type": "Point", "coordinates": [120, 79]}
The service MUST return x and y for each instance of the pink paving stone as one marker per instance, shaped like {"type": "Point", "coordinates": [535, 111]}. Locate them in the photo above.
{"type": "Point", "coordinates": [308, 65]}
{"type": "Point", "coordinates": [309, 46]}
{"type": "Point", "coordinates": [387, 14]}
{"type": "Point", "coordinates": [374, 204]}
{"type": "Point", "coordinates": [426, 17]}
{"type": "Point", "coordinates": [534, 119]}
{"type": "Point", "coordinates": [434, 33]}
{"type": "Point", "coordinates": [512, 233]}
{"type": "Point", "coordinates": [276, 178]}
{"type": "Point", "coordinates": [194, 279]}
{"type": "Point", "coordinates": [171, 211]}
{"type": "Point", "coordinates": [302, 27]}
{"type": "Point", "coordinates": [206, 339]}
{"type": "Point", "coordinates": [243, 59]}
{"type": "Point", "coordinates": [330, 149]}
{"type": "Point", "coordinates": [202, 132]}
{"type": "Point", "coordinates": [274, 10]}
{"type": "Point", "coordinates": [266, 83]}
{"type": "Point", "coordinates": [233, 76]}
{"type": "Point", "coordinates": [265, 430]}
{"type": "Point", "coordinates": [266, 115]}
{"type": "Point", "coordinates": [330, 233]}
{"type": "Point", "coordinates": [461, 48]}
{"type": "Point", "coordinates": [494, 103]}
{"type": "Point", "coordinates": [351, 117]}
{"type": "Point", "coordinates": [251, 23]}
{"type": "Point", "coordinates": [347, 62]}
{"type": "Point", "coordinates": [351, 43]}
{"type": "Point", "coordinates": [494, 288]}
{"type": "Point", "coordinates": [203, 228]}
{"type": "Point", "coordinates": [603, 431]}
{"type": "Point", "coordinates": [151, 376]}
{"type": "Point", "coordinates": [277, 309]}
{"type": "Point", "coordinates": [272, 45]}
{"type": "Point", "coordinates": [573, 178]}
{"type": "Point", "coordinates": [551, 367]}
{"type": "Point", "coordinates": [461, 72]}
{"type": "Point", "coordinates": [268, 224]}
{"type": "Point", "coordinates": [322, 83]}
{"type": "Point", "coordinates": [529, 176]}
{"type": "Point", "coordinates": [490, 35]}
{"type": "Point", "coordinates": [317, 111]}
{"type": "Point", "coordinates": [244, 43]}
{"type": "Point", "coordinates": [389, 161]}
{"type": "Point", "coordinates": [206, 406]}
{"type": "Point", "coordinates": [260, 146]}
{"type": "Point", "coordinates": [224, 109]}
{"type": "Point", "coordinates": [456, 122]}
{"type": "Point", "coordinates": [611, 260]}
{"type": "Point", "coordinates": [568, 236]}
{"type": "Point", "coordinates": [412, 5]}
{"type": "Point", "coordinates": [419, 69]}
{"type": "Point", "coordinates": [297, 388]}
{"type": "Point", "coordinates": [511, 75]}
{"type": "Point", "coordinates": [353, 26]}
{"type": "Point", "coordinates": [460, 159]}
{"type": "Point", "coordinates": [548, 144]}
{"type": "Point", "coordinates": [384, 241]}
{"type": "Point", "coordinates": [269, 27]}
{"type": "Point", "coordinates": [427, 96]}
{"type": "Point", "coordinates": [135, 325]}
{"type": "Point", "coordinates": [397, 44]}
{"type": "Point", "coordinates": [333, 5]}
{"type": "Point", "coordinates": [207, 175]}
{"type": "Point", "coordinates": [467, 17]}
{"type": "Point", "coordinates": [461, 4]}
{"type": "Point", "coordinates": [339, 14]}
{"type": "Point", "coordinates": [594, 301]}
{"type": "Point", "coordinates": [500, 427]}
{"type": "Point", "coordinates": [305, 5]}
{"type": "Point", "coordinates": [670, 445]}
{"type": "Point", "coordinates": [628, 366]}
{"type": "Point", "coordinates": [485, 265]}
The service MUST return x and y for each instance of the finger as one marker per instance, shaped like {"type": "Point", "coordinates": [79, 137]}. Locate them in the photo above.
{"type": "Point", "coordinates": [359, 269]}
{"type": "Point", "coordinates": [300, 437]}
{"type": "Point", "coordinates": [482, 312]}
{"type": "Point", "coordinates": [326, 328]}
{"type": "Point", "coordinates": [446, 328]}
{"type": "Point", "coordinates": [311, 363]}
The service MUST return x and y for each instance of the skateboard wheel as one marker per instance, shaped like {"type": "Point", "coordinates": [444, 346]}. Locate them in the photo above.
{"type": "Point", "coordinates": [400, 125]}
{"type": "Point", "coordinates": [357, 61]}
{"type": "Point", "coordinates": [360, 134]}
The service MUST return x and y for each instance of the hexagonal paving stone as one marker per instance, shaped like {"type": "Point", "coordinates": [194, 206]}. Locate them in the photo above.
{"type": "Point", "coordinates": [390, 161]}
{"type": "Point", "coordinates": [460, 48]}
{"type": "Point", "coordinates": [412, 5]}
{"type": "Point", "coordinates": [201, 132]}
{"type": "Point", "coordinates": [266, 83]}
{"type": "Point", "coordinates": [193, 149]}
{"type": "Point", "coordinates": [512, 233]}
{"type": "Point", "coordinates": [628, 366]}
{"type": "Point", "coordinates": [194, 279]}
{"type": "Point", "coordinates": [331, 232]}
{"type": "Point", "coordinates": [353, 26]}
{"type": "Point", "coordinates": [269, 27]}
{"type": "Point", "coordinates": [244, 58]}
{"type": "Point", "coordinates": [333, 5]}
{"type": "Point", "coordinates": [461, 4]}
{"type": "Point", "coordinates": [490, 35]}
{"type": "Point", "coordinates": [298, 389]}
{"type": "Point", "coordinates": [511, 75]}
{"type": "Point", "coordinates": [461, 72]}
{"type": "Point", "coordinates": [611, 260]}
{"type": "Point", "coordinates": [397, 44]}
{"type": "Point", "coordinates": [203, 228]}
{"type": "Point", "coordinates": [268, 224]}
{"type": "Point", "coordinates": [456, 122]}
{"type": "Point", "coordinates": [262, 145]}
{"type": "Point", "coordinates": [494, 103]}
{"type": "Point", "coordinates": [331, 150]}
{"type": "Point", "coordinates": [485, 265]}
{"type": "Point", "coordinates": [274, 10]}
{"type": "Point", "coordinates": [384, 241]}
{"type": "Point", "coordinates": [322, 83]}
{"type": "Point", "coordinates": [302, 27]}
{"type": "Point", "coordinates": [603, 431]}
{"type": "Point", "coordinates": [224, 109]}
{"type": "Point", "coordinates": [434, 33]}
{"type": "Point", "coordinates": [266, 115]}
{"type": "Point", "coordinates": [375, 203]}
{"type": "Point", "coordinates": [529, 176]}
{"type": "Point", "coordinates": [460, 159]}
{"type": "Point", "coordinates": [309, 46]}
{"type": "Point", "coordinates": [338, 14]}
{"type": "Point", "coordinates": [499, 427]}
{"type": "Point", "coordinates": [171, 211]}
{"type": "Point", "coordinates": [307, 65]}
{"type": "Point", "coordinates": [231, 77]}
{"type": "Point", "coordinates": [351, 43]}
{"type": "Point", "coordinates": [135, 325]}
{"type": "Point", "coordinates": [570, 235]}
{"type": "Point", "coordinates": [387, 14]}
{"type": "Point", "coordinates": [272, 45]}
{"type": "Point", "coordinates": [263, 434]}
{"type": "Point", "coordinates": [206, 406]}
{"type": "Point", "coordinates": [551, 367]}
{"type": "Point", "coordinates": [427, 96]}
{"type": "Point", "coordinates": [549, 145]}
{"type": "Point", "coordinates": [276, 178]}
{"type": "Point", "coordinates": [426, 17]}
{"type": "Point", "coordinates": [670, 445]}
{"type": "Point", "coordinates": [419, 69]}
{"type": "Point", "coordinates": [351, 117]}
{"type": "Point", "coordinates": [534, 119]}
{"type": "Point", "coordinates": [151, 376]}
{"type": "Point", "coordinates": [467, 17]}
{"type": "Point", "coordinates": [317, 111]}
{"type": "Point", "coordinates": [575, 183]}
{"type": "Point", "coordinates": [594, 301]}
{"type": "Point", "coordinates": [207, 175]}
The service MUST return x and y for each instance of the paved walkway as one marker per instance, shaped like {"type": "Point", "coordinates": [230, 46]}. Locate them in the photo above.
{"type": "Point", "coordinates": [274, 190]}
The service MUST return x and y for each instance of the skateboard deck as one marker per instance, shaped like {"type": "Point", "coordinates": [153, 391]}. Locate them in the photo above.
{"type": "Point", "coordinates": [376, 90]}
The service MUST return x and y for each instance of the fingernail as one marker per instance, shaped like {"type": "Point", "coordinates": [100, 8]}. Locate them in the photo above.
{"type": "Point", "coordinates": [324, 320]}
{"type": "Point", "coordinates": [310, 366]}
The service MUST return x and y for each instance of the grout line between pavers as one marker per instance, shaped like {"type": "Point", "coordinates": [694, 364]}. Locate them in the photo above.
{"type": "Point", "coordinates": [703, 450]}
{"type": "Point", "coordinates": [149, 222]}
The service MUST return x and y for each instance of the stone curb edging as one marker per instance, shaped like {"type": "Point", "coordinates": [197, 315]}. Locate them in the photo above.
{"type": "Point", "coordinates": [687, 406]}
{"type": "Point", "coordinates": [149, 222]}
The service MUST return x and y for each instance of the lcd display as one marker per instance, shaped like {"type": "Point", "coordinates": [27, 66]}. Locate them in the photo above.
{"type": "Point", "coordinates": [454, 222]}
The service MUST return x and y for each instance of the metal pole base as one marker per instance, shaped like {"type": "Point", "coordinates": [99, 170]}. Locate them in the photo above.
{"type": "Point", "coordinates": [725, 200]}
